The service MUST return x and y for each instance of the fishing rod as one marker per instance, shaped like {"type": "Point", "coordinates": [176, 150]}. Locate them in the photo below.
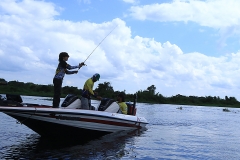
{"type": "Point", "coordinates": [98, 45]}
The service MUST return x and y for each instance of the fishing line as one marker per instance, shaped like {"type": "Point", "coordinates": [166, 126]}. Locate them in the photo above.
{"type": "Point", "coordinates": [99, 44]}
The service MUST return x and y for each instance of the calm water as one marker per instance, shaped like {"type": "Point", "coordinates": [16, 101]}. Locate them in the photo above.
{"type": "Point", "coordinates": [191, 133]}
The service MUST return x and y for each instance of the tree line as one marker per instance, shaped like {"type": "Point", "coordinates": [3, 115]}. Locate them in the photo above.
{"type": "Point", "coordinates": [106, 90]}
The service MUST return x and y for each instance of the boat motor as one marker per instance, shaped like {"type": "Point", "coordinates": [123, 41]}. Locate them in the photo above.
{"type": "Point", "coordinates": [132, 107]}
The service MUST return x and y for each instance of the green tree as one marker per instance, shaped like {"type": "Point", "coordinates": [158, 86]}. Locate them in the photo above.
{"type": "Point", "coordinates": [152, 89]}
{"type": "Point", "coordinates": [105, 90]}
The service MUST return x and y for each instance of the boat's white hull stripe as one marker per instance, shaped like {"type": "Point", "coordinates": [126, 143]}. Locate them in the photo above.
{"type": "Point", "coordinates": [86, 122]}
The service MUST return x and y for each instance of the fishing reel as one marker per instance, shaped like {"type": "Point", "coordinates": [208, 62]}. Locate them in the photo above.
{"type": "Point", "coordinates": [82, 64]}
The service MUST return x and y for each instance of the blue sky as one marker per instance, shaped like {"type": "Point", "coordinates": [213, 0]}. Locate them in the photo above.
{"type": "Point", "coordinates": [203, 39]}
{"type": "Point", "coordinates": [188, 47]}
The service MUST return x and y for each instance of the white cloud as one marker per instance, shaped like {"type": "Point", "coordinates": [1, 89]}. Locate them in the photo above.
{"type": "Point", "coordinates": [221, 15]}
{"type": "Point", "coordinates": [27, 9]}
{"type": "Point", "coordinates": [1, 53]}
{"type": "Point", "coordinates": [130, 1]}
{"type": "Point", "coordinates": [210, 13]}
{"type": "Point", "coordinates": [128, 63]}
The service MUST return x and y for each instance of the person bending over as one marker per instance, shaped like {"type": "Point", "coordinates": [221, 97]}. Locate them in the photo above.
{"type": "Point", "coordinates": [88, 92]}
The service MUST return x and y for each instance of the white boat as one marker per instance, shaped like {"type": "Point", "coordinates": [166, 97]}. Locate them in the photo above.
{"type": "Point", "coordinates": [71, 121]}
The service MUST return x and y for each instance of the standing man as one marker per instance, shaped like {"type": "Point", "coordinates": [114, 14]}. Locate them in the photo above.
{"type": "Point", "coordinates": [62, 69]}
{"type": "Point", "coordinates": [88, 92]}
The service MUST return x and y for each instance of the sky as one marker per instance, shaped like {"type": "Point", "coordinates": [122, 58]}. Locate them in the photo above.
{"type": "Point", "coordinates": [187, 47]}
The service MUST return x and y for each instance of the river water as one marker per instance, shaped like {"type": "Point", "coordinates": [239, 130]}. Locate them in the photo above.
{"type": "Point", "coordinates": [195, 132]}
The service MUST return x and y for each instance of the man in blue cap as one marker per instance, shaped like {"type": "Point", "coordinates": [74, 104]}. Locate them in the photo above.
{"type": "Point", "coordinates": [88, 92]}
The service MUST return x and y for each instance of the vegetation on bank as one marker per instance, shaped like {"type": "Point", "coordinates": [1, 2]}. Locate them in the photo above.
{"type": "Point", "coordinates": [106, 90]}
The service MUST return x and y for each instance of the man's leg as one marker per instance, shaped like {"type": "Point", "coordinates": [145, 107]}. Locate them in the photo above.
{"type": "Point", "coordinates": [84, 103]}
{"type": "Point", "coordinates": [57, 92]}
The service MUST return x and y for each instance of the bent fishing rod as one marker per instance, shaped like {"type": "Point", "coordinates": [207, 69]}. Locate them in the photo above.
{"type": "Point", "coordinates": [98, 45]}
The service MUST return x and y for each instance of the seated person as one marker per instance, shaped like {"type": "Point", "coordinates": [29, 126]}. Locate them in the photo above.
{"type": "Point", "coordinates": [121, 103]}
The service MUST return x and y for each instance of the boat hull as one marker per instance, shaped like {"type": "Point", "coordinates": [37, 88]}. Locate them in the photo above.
{"type": "Point", "coordinates": [54, 130]}
{"type": "Point", "coordinates": [73, 123]}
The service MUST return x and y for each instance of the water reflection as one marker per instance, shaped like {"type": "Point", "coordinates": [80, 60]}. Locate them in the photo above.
{"type": "Point", "coordinates": [111, 146]}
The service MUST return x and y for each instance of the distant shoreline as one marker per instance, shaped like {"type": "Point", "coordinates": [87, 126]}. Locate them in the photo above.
{"type": "Point", "coordinates": [106, 90]}
{"type": "Point", "coordinates": [138, 101]}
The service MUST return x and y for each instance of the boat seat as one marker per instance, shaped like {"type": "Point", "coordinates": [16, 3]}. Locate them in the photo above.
{"type": "Point", "coordinates": [14, 97]}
